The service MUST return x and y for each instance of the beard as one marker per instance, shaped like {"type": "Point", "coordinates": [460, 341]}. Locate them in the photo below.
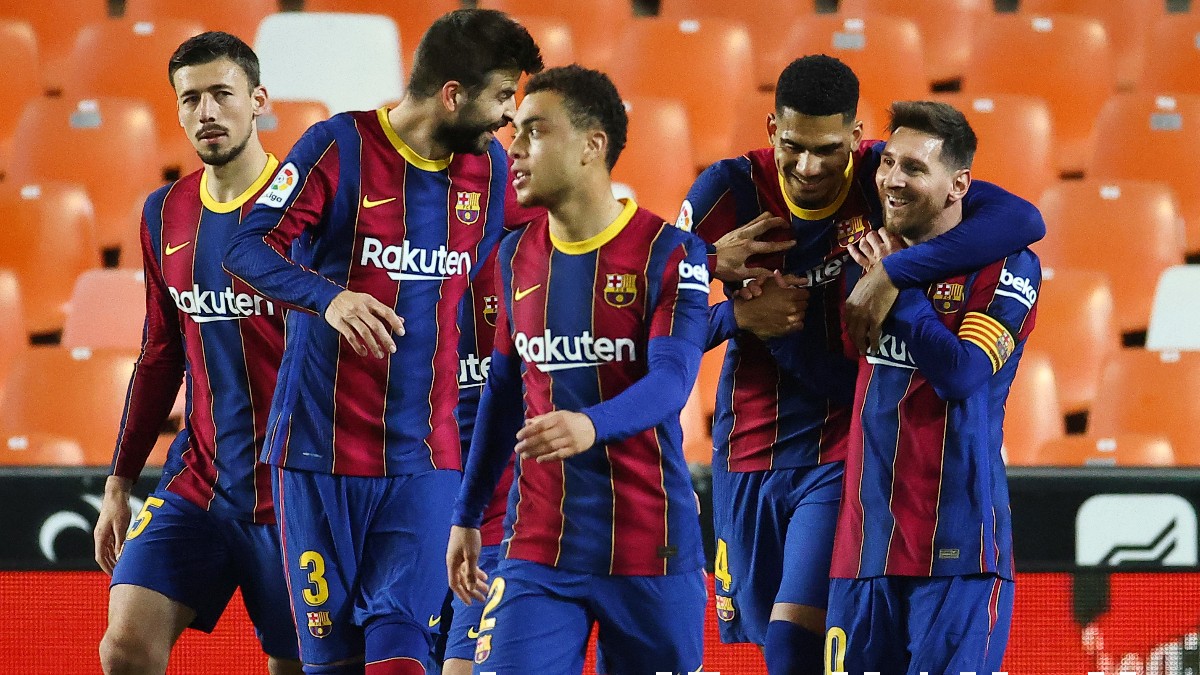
{"type": "Point", "coordinates": [467, 134]}
{"type": "Point", "coordinates": [218, 157]}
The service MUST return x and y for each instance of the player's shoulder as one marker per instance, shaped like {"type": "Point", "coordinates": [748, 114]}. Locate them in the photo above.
{"type": "Point", "coordinates": [536, 228]}
{"type": "Point", "coordinates": [1018, 275]}
{"type": "Point", "coordinates": [726, 173]}
{"type": "Point", "coordinates": [185, 187]}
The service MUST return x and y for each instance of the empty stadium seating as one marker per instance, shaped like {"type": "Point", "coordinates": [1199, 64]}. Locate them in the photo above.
{"type": "Point", "coordinates": [412, 17]}
{"type": "Point", "coordinates": [1171, 66]}
{"type": "Point", "coordinates": [1118, 450]}
{"type": "Point", "coordinates": [56, 22]}
{"type": "Point", "coordinates": [107, 311]}
{"type": "Point", "coordinates": [947, 29]}
{"type": "Point", "coordinates": [240, 17]}
{"type": "Point", "coordinates": [1031, 414]}
{"type": "Point", "coordinates": [1175, 315]}
{"type": "Point", "coordinates": [1126, 22]}
{"type": "Point", "coordinates": [594, 23]}
{"type": "Point", "coordinates": [1151, 393]}
{"type": "Point", "coordinates": [657, 160]}
{"type": "Point", "coordinates": [285, 122]}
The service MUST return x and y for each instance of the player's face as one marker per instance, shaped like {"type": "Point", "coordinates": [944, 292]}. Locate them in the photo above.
{"type": "Point", "coordinates": [217, 109]}
{"type": "Point", "coordinates": [914, 185]}
{"type": "Point", "coordinates": [477, 120]}
{"type": "Point", "coordinates": [547, 150]}
{"type": "Point", "coordinates": [811, 154]}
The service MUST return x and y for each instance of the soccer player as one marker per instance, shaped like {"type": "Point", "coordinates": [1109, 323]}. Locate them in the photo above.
{"type": "Point", "coordinates": [922, 561]}
{"type": "Point", "coordinates": [602, 322]}
{"type": "Point", "coordinates": [780, 436]}
{"type": "Point", "coordinates": [208, 528]}
{"type": "Point", "coordinates": [374, 216]}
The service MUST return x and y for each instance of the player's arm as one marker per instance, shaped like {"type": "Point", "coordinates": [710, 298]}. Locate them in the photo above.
{"type": "Point", "coordinates": [995, 224]}
{"type": "Point", "coordinates": [297, 202]}
{"type": "Point", "coordinates": [152, 391]}
{"type": "Point", "coordinates": [999, 316]}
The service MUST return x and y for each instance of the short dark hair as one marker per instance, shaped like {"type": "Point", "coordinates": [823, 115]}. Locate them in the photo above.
{"type": "Point", "coordinates": [591, 100]}
{"type": "Point", "coordinates": [940, 120]}
{"type": "Point", "coordinates": [818, 85]}
{"type": "Point", "coordinates": [213, 45]}
{"type": "Point", "coordinates": [467, 44]}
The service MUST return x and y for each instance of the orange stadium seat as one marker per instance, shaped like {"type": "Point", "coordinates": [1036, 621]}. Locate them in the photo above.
{"type": "Point", "coordinates": [286, 121]}
{"type": "Point", "coordinates": [999, 119]}
{"type": "Point", "coordinates": [1148, 137]}
{"type": "Point", "coordinates": [56, 23]}
{"type": "Point", "coordinates": [1129, 230]}
{"type": "Point", "coordinates": [14, 339]}
{"type": "Point", "coordinates": [1064, 59]}
{"type": "Point", "coordinates": [39, 449]}
{"type": "Point", "coordinates": [1076, 329]}
{"type": "Point", "coordinates": [594, 23]}
{"type": "Point", "coordinates": [1172, 65]}
{"type": "Point", "coordinates": [22, 83]}
{"type": "Point", "coordinates": [553, 36]}
{"type": "Point", "coordinates": [77, 394]}
{"type": "Point", "coordinates": [107, 310]}
{"type": "Point", "coordinates": [657, 160]}
{"type": "Point", "coordinates": [128, 58]}
{"type": "Point", "coordinates": [697, 429]}
{"type": "Point", "coordinates": [413, 17]}
{"type": "Point", "coordinates": [49, 239]}
{"type": "Point", "coordinates": [1126, 21]}
{"type": "Point", "coordinates": [706, 64]}
{"type": "Point", "coordinates": [947, 28]}
{"type": "Point", "coordinates": [885, 52]}
{"type": "Point", "coordinates": [1151, 393]}
{"type": "Point", "coordinates": [1031, 416]}
{"type": "Point", "coordinates": [1119, 450]}
{"type": "Point", "coordinates": [107, 145]}
{"type": "Point", "coordinates": [239, 17]}
{"type": "Point", "coordinates": [765, 19]}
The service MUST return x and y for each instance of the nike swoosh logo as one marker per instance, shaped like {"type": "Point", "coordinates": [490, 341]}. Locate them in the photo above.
{"type": "Point", "coordinates": [434, 620]}
{"type": "Point", "coordinates": [368, 204]}
{"type": "Point", "coordinates": [472, 633]}
{"type": "Point", "coordinates": [171, 250]}
{"type": "Point", "coordinates": [520, 294]}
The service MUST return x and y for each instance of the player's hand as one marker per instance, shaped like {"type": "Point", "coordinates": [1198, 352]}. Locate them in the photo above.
{"type": "Point", "coordinates": [462, 565]}
{"type": "Point", "coordinates": [555, 436]}
{"type": "Point", "coordinates": [867, 307]}
{"type": "Point", "coordinates": [113, 523]}
{"type": "Point", "coordinates": [778, 308]}
{"type": "Point", "coordinates": [738, 245]}
{"type": "Point", "coordinates": [366, 323]}
{"type": "Point", "coordinates": [877, 245]}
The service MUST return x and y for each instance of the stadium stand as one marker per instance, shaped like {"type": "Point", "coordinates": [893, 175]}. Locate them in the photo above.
{"type": "Point", "coordinates": [947, 28]}
{"type": "Point", "coordinates": [1150, 392]}
{"type": "Point", "coordinates": [1032, 414]}
{"type": "Point", "coordinates": [1175, 314]}
{"type": "Point", "coordinates": [1119, 450]}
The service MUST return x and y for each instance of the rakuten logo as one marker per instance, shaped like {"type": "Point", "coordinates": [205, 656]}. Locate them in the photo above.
{"type": "Point", "coordinates": [552, 352]}
{"type": "Point", "coordinates": [409, 263]}
{"type": "Point", "coordinates": [473, 371]}
{"type": "Point", "coordinates": [225, 305]}
{"type": "Point", "coordinates": [827, 271]}
{"type": "Point", "coordinates": [1025, 291]}
{"type": "Point", "coordinates": [693, 277]}
{"type": "Point", "coordinates": [892, 351]}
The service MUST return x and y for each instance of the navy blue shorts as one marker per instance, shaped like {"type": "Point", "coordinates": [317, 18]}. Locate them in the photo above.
{"type": "Point", "coordinates": [198, 559]}
{"type": "Point", "coordinates": [366, 561]}
{"type": "Point", "coordinates": [463, 630]}
{"type": "Point", "coordinates": [911, 625]}
{"type": "Point", "coordinates": [537, 619]}
{"type": "Point", "coordinates": [774, 534]}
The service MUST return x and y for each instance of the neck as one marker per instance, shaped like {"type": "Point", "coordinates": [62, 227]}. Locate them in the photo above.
{"type": "Point", "coordinates": [226, 182]}
{"type": "Point", "coordinates": [585, 212]}
{"type": "Point", "coordinates": [947, 220]}
{"type": "Point", "coordinates": [414, 121]}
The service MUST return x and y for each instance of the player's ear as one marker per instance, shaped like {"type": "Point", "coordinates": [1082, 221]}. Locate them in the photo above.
{"type": "Point", "coordinates": [962, 183]}
{"type": "Point", "coordinates": [857, 133]}
{"type": "Point", "coordinates": [453, 95]}
{"type": "Point", "coordinates": [772, 128]}
{"type": "Point", "coordinates": [259, 100]}
{"type": "Point", "coordinates": [596, 147]}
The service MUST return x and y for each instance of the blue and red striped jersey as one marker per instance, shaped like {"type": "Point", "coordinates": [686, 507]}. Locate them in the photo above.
{"type": "Point", "coordinates": [354, 207]}
{"type": "Point", "coordinates": [225, 336]}
{"type": "Point", "coordinates": [578, 320]}
{"type": "Point", "coordinates": [925, 491]}
{"type": "Point", "coordinates": [766, 418]}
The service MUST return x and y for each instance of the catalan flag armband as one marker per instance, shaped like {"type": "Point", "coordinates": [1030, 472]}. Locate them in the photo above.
{"type": "Point", "coordinates": [989, 335]}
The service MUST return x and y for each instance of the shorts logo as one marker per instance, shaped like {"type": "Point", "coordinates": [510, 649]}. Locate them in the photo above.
{"type": "Point", "coordinates": [281, 188]}
{"type": "Point", "coordinates": [483, 648]}
{"type": "Point", "coordinates": [491, 305]}
{"type": "Point", "coordinates": [319, 624]}
{"type": "Point", "coordinates": [684, 221]}
{"type": "Point", "coordinates": [620, 290]}
{"type": "Point", "coordinates": [948, 298]}
{"type": "Point", "coordinates": [851, 230]}
{"type": "Point", "coordinates": [472, 633]}
{"type": "Point", "coordinates": [725, 610]}
{"type": "Point", "coordinates": [466, 207]}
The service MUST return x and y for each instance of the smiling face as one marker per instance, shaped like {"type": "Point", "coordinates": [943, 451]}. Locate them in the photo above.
{"type": "Point", "coordinates": [547, 151]}
{"type": "Point", "coordinates": [477, 120]}
{"type": "Point", "coordinates": [217, 108]}
{"type": "Point", "coordinates": [811, 153]}
{"type": "Point", "coordinates": [915, 185]}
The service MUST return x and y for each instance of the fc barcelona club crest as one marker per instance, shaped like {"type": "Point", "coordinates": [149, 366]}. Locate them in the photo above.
{"type": "Point", "coordinates": [948, 298]}
{"type": "Point", "coordinates": [725, 609]}
{"type": "Point", "coordinates": [483, 648]}
{"type": "Point", "coordinates": [319, 624]}
{"type": "Point", "coordinates": [466, 207]}
{"type": "Point", "coordinates": [851, 230]}
{"type": "Point", "coordinates": [620, 289]}
{"type": "Point", "coordinates": [490, 306]}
